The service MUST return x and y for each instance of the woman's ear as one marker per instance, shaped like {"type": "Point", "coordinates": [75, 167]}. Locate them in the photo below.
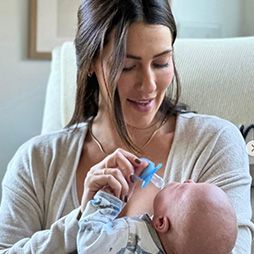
{"type": "Point", "coordinates": [161, 224]}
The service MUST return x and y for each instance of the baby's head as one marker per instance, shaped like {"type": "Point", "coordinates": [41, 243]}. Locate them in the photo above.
{"type": "Point", "coordinates": [194, 218]}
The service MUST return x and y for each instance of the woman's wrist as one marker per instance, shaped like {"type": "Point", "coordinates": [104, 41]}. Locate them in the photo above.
{"type": "Point", "coordinates": [85, 199]}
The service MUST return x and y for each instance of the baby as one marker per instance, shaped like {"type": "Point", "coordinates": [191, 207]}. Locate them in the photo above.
{"type": "Point", "coordinates": [194, 218]}
{"type": "Point", "coordinates": [189, 218]}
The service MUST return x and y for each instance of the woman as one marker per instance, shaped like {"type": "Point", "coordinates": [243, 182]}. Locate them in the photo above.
{"type": "Point", "coordinates": [126, 108]}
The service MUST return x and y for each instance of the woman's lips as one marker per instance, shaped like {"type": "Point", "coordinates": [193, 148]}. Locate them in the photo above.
{"type": "Point", "coordinates": [142, 105]}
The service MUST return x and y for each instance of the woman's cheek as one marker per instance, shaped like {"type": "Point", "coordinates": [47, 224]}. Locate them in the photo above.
{"type": "Point", "coordinates": [166, 77]}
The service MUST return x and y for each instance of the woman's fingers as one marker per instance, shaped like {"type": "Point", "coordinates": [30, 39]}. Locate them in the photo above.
{"type": "Point", "coordinates": [118, 159]}
{"type": "Point", "coordinates": [111, 177]}
{"type": "Point", "coordinates": [94, 183]}
{"type": "Point", "coordinates": [111, 182]}
{"type": "Point", "coordinates": [127, 162]}
{"type": "Point", "coordinates": [132, 158]}
{"type": "Point", "coordinates": [114, 173]}
{"type": "Point", "coordinates": [119, 176]}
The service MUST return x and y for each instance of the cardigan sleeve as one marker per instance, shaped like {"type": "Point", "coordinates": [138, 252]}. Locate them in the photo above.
{"type": "Point", "coordinates": [228, 168]}
{"type": "Point", "coordinates": [99, 227]}
{"type": "Point", "coordinates": [23, 212]}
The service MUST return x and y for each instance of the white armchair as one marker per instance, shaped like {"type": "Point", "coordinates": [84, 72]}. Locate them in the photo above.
{"type": "Point", "coordinates": [217, 77]}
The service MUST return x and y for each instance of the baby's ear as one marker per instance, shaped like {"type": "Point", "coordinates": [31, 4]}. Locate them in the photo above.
{"type": "Point", "coordinates": [161, 224]}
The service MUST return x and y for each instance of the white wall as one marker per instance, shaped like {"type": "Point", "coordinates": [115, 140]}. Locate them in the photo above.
{"type": "Point", "coordinates": [213, 18]}
{"type": "Point", "coordinates": [22, 82]}
{"type": "Point", "coordinates": [248, 21]}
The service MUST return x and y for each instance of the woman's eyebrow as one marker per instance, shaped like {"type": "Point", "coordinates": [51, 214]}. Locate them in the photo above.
{"type": "Point", "coordinates": [155, 56]}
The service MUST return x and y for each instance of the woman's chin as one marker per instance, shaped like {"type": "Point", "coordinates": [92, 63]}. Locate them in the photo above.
{"type": "Point", "coordinates": [140, 123]}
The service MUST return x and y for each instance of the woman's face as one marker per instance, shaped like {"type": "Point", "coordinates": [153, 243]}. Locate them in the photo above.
{"type": "Point", "coordinates": [148, 71]}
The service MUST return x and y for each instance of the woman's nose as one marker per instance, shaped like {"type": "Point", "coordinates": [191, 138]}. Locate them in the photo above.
{"type": "Point", "coordinates": [148, 82]}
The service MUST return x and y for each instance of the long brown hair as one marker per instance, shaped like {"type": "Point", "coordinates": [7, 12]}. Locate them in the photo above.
{"type": "Point", "coordinates": [96, 20]}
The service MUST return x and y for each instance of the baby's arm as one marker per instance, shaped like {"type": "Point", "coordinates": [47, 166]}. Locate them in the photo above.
{"type": "Point", "coordinates": [110, 180]}
{"type": "Point", "coordinates": [98, 227]}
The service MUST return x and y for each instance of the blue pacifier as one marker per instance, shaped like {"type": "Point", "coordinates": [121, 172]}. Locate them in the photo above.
{"type": "Point", "coordinates": [149, 175]}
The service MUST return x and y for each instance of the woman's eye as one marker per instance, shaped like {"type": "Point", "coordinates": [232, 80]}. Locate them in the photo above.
{"type": "Point", "coordinates": [128, 68]}
{"type": "Point", "coordinates": [156, 65]}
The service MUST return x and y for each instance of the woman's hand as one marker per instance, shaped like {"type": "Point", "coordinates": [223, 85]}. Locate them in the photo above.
{"type": "Point", "coordinates": [113, 175]}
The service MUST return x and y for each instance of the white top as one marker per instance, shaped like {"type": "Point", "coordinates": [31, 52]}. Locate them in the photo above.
{"type": "Point", "coordinates": [39, 198]}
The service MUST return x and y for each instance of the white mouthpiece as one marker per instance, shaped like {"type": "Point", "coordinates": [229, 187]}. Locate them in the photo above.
{"type": "Point", "coordinates": [158, 181]}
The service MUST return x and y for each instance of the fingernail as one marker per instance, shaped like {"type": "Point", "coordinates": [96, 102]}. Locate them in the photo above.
{"type": "Point", "coordinates": [133, 178]}
{"type": "Point", "coordinates": [138, 161]}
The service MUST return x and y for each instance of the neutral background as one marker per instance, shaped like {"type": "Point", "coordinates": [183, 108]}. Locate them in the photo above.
{"type": "Point", "coordinates": [23, 81]}
{"type": "Point", "coordinates": [214, 18]}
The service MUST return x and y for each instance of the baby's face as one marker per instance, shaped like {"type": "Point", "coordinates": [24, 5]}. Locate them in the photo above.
{"type": "Point", "coordinates": [173, 191]}
{"type": "Point", "coordinates": [174, 195]}
{"type": "Point", "coordinates": [179, 198]}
